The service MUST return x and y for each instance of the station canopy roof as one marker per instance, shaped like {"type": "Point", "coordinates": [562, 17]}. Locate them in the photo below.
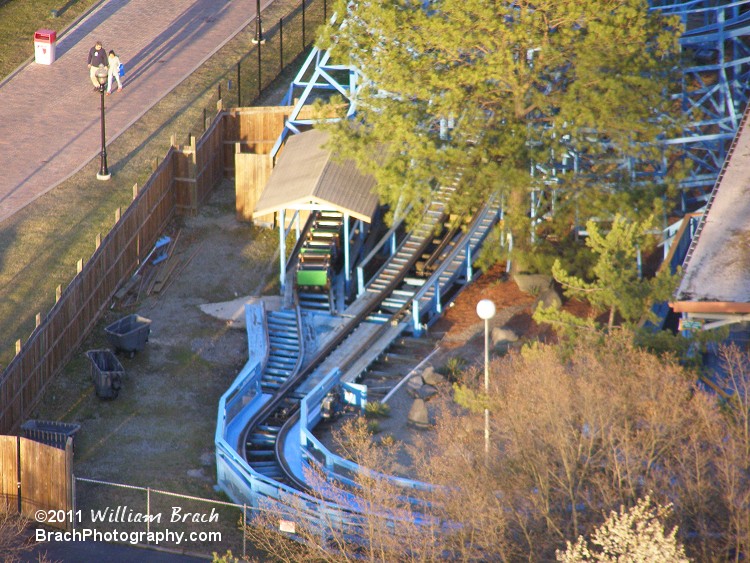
{"type": "Point", "coordinates": [306, 173]}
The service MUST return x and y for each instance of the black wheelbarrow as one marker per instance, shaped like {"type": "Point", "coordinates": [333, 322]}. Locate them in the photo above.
{"type": "Point", "coordinates": [106, 372]}
{"type": "Point", "coordinates": [129, 334]}
{"type": "Point", "coordinates": [50, 432]}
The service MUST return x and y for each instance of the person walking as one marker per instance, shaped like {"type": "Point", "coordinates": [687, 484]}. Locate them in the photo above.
{"type": "Point", "coordinates": [113, 71]}
{"type": "Point", "coordinates": [97, 58]}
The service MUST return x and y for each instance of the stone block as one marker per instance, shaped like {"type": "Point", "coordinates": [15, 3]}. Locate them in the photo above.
{"type": "Point", "coordinates": [431, 377]}
{"type": "Point", "coordinates": [533, 284]}
{"type": "Point", "coordinates": [418, 415]}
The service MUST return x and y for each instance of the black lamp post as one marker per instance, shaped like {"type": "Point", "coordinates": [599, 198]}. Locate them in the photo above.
{"type": "Point", "coordinates": [101, 77]}
{"type": "Point", "coordinates": [258, 25]}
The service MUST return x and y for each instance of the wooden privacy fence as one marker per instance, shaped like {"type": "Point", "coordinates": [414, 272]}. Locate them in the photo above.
{"type": "Point", "coordinates": [199, 166]}
{"type": "Point", "coordinates": [250, 136]}
{"type": "Point", "coordinates": [35, 476]}
{"type": "Point", "coordinates": [58, 335]}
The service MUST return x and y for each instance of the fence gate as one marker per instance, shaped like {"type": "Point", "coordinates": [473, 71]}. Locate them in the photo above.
{"type": "Point", "coordinates": [35, 476]}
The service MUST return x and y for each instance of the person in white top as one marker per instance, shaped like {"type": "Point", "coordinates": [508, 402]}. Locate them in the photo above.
{"type": "Point", "coordinates": [113, 71]}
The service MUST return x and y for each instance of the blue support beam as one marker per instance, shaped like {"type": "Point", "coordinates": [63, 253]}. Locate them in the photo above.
{"type": "Point", "coordinates": [316, 80]}
{"type": "Point", "coordinates": [347, 244]}
{"type": "Point", "coordinates": [438, 297]}
{"type": "Point", "coordinates": [716, 81]}
{"type": "Point", "coordinates": [282, 250]}
{"type": "Point", "coordinates": [360, 280]}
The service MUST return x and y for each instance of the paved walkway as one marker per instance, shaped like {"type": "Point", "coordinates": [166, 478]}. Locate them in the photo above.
{"type": "Point", "coordinates": [49, 114]}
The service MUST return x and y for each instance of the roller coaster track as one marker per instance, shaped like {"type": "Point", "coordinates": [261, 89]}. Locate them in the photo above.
{"type": "Point", "coordinates": [716, 82]}
{"type": "Point", "coordinates": [450, 257]}
{"type": "Point", "coordinates": [262, 431]}
{"type": "Point", "coordinates": [272, 390]}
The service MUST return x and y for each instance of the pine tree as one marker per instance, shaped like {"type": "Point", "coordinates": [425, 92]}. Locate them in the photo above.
{"type": "Point", "coordinates": [616, 284]}
{"type": "Point", "coordinates": [486, 90]}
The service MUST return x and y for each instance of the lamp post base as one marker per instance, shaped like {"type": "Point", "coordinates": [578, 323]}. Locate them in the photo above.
{"type": "Point", "coordinates": [262, 41]}
{"type": "Point", "coordinates": [100, 176]}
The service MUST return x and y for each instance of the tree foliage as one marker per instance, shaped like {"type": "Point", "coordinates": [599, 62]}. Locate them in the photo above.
{"type": "Point", "coordinates": [484, 92]}
{"type": "Point", "coordinates": [578, 434]}
{"type": "Point", "coordinates": [636, 535]}
{"type": "Point", "coordinates": [574, 437]}
{"type": "Point", "coordinates": [617, 285]}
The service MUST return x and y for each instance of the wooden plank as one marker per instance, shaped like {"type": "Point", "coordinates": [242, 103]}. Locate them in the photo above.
{"type": "Point", "coordinates": [252, 172]}
{"type": "Point", "coordinates": [8, 473]}
{"type": "Point", "coordinates": [127, 286]}
{"type": "Point", "coordinates": [163, 274]}
{"type": "Point", "coordinates": [45, 482]}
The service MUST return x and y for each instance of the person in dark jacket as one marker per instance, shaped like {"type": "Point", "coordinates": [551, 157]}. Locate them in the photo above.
{"type": "Point", "coordinates": [97, 57]}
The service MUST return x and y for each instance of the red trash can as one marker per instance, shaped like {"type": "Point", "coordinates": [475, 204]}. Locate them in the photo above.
{"type": "Point", "coordinates": [45, 41]}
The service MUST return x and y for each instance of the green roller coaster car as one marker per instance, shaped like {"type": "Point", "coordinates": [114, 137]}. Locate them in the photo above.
{"type": "Point", "coordinates": [313, 278]}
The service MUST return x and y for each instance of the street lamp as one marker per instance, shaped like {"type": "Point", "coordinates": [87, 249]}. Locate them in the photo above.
{"type": "Point", "coordinates": [486, 310]}
{"type": "Point", "coordinates": [258, 25]}
{"type": "Point", "coordinates": [101, 77]}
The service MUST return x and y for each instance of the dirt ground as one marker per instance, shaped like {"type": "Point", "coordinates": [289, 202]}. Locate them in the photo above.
{"type": "Point", "coordinates": [159, 431]}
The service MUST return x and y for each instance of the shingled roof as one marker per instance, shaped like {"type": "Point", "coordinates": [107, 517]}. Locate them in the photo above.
{"type": "Point", "coordinates": [716, 273]}
{"type": "Point", "coordinates": [308, 173]}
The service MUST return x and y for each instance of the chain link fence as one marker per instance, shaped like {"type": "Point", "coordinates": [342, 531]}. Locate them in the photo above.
{"type": "Point", "coordinates": [287, 35]}
{"type": "Point", "coordinates": [120, 513]}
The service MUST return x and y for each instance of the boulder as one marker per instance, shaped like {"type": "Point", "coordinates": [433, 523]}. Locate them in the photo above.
{"type": "Point", "coordinates": [414, 385]}
{"type": "Point", "coordinates": [431, 377]}
{"type": "Point", "coordinates": [533, 284]}
{"type": "Point", "coordinates": [426, 392]}
{"type": "Point", "coordinates": [418, 415]}
{"type": "Point", "coordinates": [502, 335]}
{"type": "Point", "coordinates": [548, 298]}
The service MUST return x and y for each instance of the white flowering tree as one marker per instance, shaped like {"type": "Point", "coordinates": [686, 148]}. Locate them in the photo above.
{"type": "Point", "coordinates": [636, 535]}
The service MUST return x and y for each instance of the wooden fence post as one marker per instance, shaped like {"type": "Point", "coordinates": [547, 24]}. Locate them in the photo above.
{"type": "Point", "coordinates": [98, 241]}
{"type": "Point", "coordinates": [260, 71]}
{"type": "Point", "coordinates": [239, 86]}
{"type": "Point", "coordinates": [18, 472]}
{"type": "Point", "coordinates": [79, 266]}
{"type": "Point", "coordinates": [58, 293]}
{"type": "Point", "coordinates": [281, 44]}
{"type": "Point", "coordinates": [194, 173]}
{"type": "Point", "coordinates": [70, 481]}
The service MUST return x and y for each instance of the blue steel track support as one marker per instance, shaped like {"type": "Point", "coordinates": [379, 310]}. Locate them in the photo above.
{"type": "Point", "coordinates": [318, 78]}
{"type": "Point", "coordinates": [716, 82]}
